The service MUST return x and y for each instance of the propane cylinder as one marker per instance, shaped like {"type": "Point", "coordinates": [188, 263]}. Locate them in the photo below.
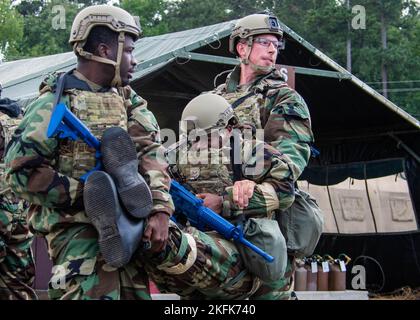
{"type": "Point", "coordinates": [323, 272]}
{"type": "Point", "coordinates": [337, 277]}
{"type": "Point", "coordinates": [300, 276]}
{"type": "Point", "coordinates": [311, 267]}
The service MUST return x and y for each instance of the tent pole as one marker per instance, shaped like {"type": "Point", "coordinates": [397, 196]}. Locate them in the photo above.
{"type": "Point", "coordinates": [404, 146]}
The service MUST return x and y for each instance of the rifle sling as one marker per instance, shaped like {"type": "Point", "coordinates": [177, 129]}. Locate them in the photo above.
{"type": "Point", "coordinates": [68, 81]}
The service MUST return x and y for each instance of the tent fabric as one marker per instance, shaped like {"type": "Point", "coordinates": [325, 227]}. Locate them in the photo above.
{"type": "Point", "coordinates": [331, 175]}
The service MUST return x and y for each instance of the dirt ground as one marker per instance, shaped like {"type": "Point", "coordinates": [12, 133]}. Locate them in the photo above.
{"type": "Point", "coordinates": [405, 293]}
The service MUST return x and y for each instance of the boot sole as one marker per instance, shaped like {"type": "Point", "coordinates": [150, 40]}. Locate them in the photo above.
{"type": "Point", "coordinates": [120, 161]}
{"type": "Point", "coordinates": [101, 205]}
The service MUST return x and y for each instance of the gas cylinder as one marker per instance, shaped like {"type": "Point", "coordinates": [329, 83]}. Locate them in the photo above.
{"type": "Point", "coordinates": [337, 279]}
{"type": "Point", "coordinates": [323, 272]}
{"type": "Point", "coordinates": [300, 276]}
{"type": "Point", "coordinates": [311, 274]}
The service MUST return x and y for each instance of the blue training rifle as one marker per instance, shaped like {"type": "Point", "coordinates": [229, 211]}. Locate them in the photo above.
{"type": "Point", "coordinates": [65, 124]}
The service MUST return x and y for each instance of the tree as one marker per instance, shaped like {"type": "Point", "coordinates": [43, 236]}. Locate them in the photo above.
{"type": "Point", "coordinates": [394, 61]}
{"type": "Point", "coordinates": [47, 26]}
{"type": "Point", "coordinates": [11, 29]}
{"type": "Point", "coordinates": [188, 14]}
{"type": "Point", "coordinates": [151, 13]}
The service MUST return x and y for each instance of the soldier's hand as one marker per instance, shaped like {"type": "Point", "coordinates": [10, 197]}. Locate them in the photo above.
{"type": "Point", "coordinates": [212, 201]}
{"type": "Point", "coordinates": [157, 231]}
{"type": "Point", "coordinates": [242, 192]}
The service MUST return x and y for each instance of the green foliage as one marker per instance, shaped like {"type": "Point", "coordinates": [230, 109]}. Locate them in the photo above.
{"type": "Point", "coordinates": [151, 13]}
{"type": "Point", "coordinates": [26, 31]}
{"type": "Point", "coordinates": [189, 14]}
{"type": "Point", "coordinates": [41, 34]}
{"type": "Point", "coordinates": [11, 28]}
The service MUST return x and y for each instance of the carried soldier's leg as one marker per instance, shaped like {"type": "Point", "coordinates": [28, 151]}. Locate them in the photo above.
{"type": "Point", "coordinates": [17, 268]}
{"type": "Point", "coordinates": [119, 225]}
{"type": "Point", "coordinates": [119, 233]}
{"type": "Point", "coordinates": [82, 273]}
{"type": "Point", "coordinates": [193, 260]}
{"type": "Point", "coordinates": [277, 290]}
{"type": "Point", "coordinates": [120, 161]}
{"type": "Point", "coordinates": [199, 265]}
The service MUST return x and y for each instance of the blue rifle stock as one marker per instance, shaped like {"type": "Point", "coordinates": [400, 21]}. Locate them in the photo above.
{"type": "Point", "coordinates": [203, 218]}
{"type": "Point", "coordinates": [66, 125]}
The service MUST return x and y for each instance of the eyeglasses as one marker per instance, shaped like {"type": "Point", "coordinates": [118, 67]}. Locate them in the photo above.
{"type": "Point", "coordinates": [266, 43]}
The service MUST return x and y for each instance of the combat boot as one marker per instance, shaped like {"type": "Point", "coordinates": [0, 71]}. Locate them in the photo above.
{"type": "Point", "coordinates": [119, 233]}
{"type": "Point", "coordinates": [120, 161]}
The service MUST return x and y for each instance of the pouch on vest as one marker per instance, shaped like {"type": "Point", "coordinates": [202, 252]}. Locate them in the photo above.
{"type": "Point", "coordinates": [265, 234]}
{"type": "Point", "coordinates": [301, 224]}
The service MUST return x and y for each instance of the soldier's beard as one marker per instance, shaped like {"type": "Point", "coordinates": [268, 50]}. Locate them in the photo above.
{"type": "Point", "coordinates": [261, 70]}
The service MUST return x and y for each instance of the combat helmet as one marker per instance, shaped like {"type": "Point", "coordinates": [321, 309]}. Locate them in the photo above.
{"type": "Point", "coordinates": [208, 111]}
{"type": "Point", "coordinates": [250, 26]}
{"type": "Point", "coordinates": [116, 19]}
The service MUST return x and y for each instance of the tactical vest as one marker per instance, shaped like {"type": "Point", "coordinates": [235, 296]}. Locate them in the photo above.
{"type": "Point", "coordinates": [8, 126]}
{"type": "Point", "coordinates": [98, 111]}
{"type": "Point", "coordinates": [206, 174]}
{"type": "Point", "coordinates": [248, 102]}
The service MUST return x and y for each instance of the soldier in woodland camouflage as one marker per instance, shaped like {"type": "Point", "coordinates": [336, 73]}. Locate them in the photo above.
{"type": "Point", "coordinates": [17, 269]}
{"type": "Point", "coordinates": [47, 171]}
{"type": "Point", "coordinates": [207, 266]}
{"type": "Point", "coordinates": [263, 100]}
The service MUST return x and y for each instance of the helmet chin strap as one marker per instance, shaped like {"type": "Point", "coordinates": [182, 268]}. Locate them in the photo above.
{"type": "Point", "coordinates": [116, 81]}
{"type": "Point", "coordinates": [259, 70]}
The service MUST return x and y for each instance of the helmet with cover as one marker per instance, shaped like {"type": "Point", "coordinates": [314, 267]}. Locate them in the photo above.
{"type": "Point", "coordinates": [253, 25]}
{"type": "Point", "coordinates": [208, 111]}
{"type": "Point", "coordinates": [116, 19]}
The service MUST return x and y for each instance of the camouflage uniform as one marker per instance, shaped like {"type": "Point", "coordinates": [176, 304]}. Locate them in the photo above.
{"type": "Point", "coordinates": [269, 103]}
{"type": "Point", "coordinates": [218, 271]}
{"type": "Point", "coordinates": [17, 269]}
{"type": "Point", "coordinates": [46, 172]}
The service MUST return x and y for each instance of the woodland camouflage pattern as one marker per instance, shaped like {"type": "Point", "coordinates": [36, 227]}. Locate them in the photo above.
{"type": "Point", "coordinates": [270, 104]}
{"type": "Point", "coordinates": [45, 172]}
{"type": "Point", "coordinates": [218, 271]}
{"type": "Point", "coordinates": [276, 108]}
{"type": "Point", "coordinates": [205, 175]}
{"type": "Point", "coordinates": [204, 266]}
{"type": "Point", "coordinates": [17, 269]}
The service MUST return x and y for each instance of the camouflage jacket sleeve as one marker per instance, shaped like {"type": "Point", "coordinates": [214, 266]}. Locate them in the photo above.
{"type": "Point", "coordinates": [287, 127]}
{"type": "Point", "coordinates": [30, 159]}
{"type": "Point", "coordinates": [144, 129]}
{"type": "Point", "coordinates": [270, 169]}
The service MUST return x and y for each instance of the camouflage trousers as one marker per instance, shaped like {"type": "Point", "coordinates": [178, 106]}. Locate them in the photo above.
{"type": "Point", "coordinates": [17, 268]}
{"type": "Point", "coordinates": [195, 265]}
{"type": "Point", "coordinates": [80, 272]}
{"type": "Point", "coordinates": [204, 265]}
{"type": "Point", "coordinates": [277, 290]}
